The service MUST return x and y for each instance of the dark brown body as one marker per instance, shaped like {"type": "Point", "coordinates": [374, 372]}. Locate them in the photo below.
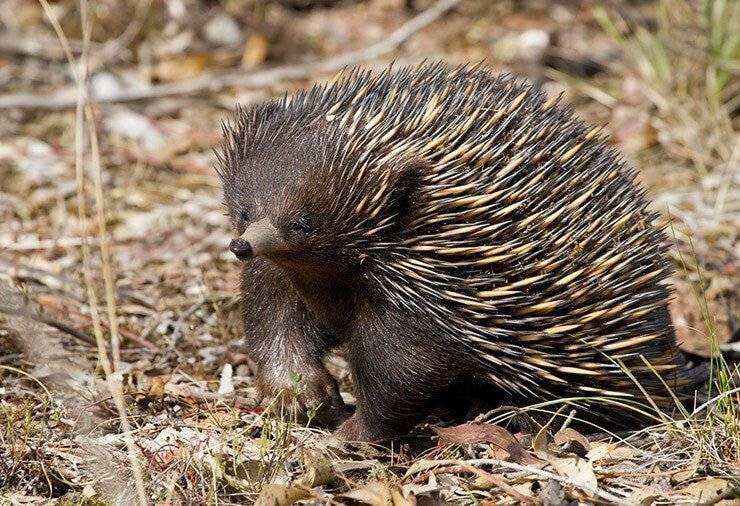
{"type": "Point", "coordinates": [456, 232]}
{"type": "Point", "coordinates": [399, 373]}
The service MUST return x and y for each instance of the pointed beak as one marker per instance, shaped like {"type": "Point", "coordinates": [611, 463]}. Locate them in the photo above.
{"type": "Point", "coordinates": [260, 238]}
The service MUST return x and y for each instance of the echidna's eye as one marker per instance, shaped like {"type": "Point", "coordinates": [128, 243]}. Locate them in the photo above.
{"type": "Point", "coordinates": [240, 219]}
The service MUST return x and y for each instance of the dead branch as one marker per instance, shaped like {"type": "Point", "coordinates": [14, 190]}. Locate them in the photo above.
{"type": "Point", "coordinates": [211, 83]}
{"type": "Point", "coordinates": [131, 336]}
{"type": "Point", "coordinates": [51, 322]}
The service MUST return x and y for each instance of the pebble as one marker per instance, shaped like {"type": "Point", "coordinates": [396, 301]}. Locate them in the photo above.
{"type": "Point", "coordinates": [223, 30]}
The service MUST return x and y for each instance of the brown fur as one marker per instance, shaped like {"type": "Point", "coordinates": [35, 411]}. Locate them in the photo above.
{"type": "Point", "coordinates": [456, 232]}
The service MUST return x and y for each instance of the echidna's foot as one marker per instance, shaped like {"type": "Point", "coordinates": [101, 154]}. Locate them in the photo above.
{"type": "Point", "coordinates": [355, 429]}
{"type": "Point", "coordinates": [311, 397]}
{"type": "Point", "coordinates": [370, 429]}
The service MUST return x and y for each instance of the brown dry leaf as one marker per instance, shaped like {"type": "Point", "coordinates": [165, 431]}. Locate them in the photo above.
{"type": "Point", "coordinates": [599, 450]}
{"type": "Point", "coordinates": [573, 441]}
{"type": "Point", "coordinates": [524, 488]}
{"type": "Point", "coordinates": [380, 494]}
{"type": "Point", "coordinates": [608, 451]}
{"type": "Point", "coordinates": [178, 69]}
{"type": "Point", "coordinates": [255, 50]}
{"type": "Point", "coordinates": [218, 419]}
{"type": "Point", "coordinates": [706, 490]}
{"type": "Point", "coordinates": [482, 483]}
{"type": "Point", "coordinates": [579, 470]}
{"type": "Point", "coordinates": [157, 386]}
{"type": "Point", "coordinates": [510, 447]}
{"type": "Point", "coordinates": [319, 469]}
{"type": "Point", "coordinates": [88, 492]}
{"type": "Point", "coordinates": [541, 443]}
{"type": "Point", "coordinates": [282, 495]}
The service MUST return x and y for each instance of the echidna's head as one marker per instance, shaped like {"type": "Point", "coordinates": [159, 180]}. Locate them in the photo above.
{"type": "Point", "coordinates": [299, 195]}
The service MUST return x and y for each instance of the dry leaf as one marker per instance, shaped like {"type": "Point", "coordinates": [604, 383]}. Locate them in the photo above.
{"type": "Point", "coordinates": [282, 495]}
{"type": "Point", "coordinates": [471, 433]}
{"type": "Point", "coordinates": [255, 50]}
{"type": "Point", "coordinates": [579, 470]}
{"type": "Point", "coordinates": [157, 387]}
{"type": "Point", "coordinates": [706, 490]}
{"type": "Point", "coordinates": [573, 441]}
{"type": "Point", "coordinates": [552, 493]}
{"type": "Point", "coordinates": [319, 469]}
{"type": "Point", "coordinates": [540, 444]}
{"type": "Point", "coordinates": [380, 494]}
{"type": "Point", "coordinates": [88, 492]}
{"type": "Point", "coordinates": [609, 452]}
{"type": "Point", "coordinates": [525, 488]}
{"type": "Point", "coordinates": [644, 496]}
{"type": "Point", "coordinates": [178, 69]}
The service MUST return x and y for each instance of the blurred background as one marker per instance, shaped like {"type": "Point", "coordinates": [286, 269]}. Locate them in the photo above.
{"type": "Point", "coordinates": [161, 76]}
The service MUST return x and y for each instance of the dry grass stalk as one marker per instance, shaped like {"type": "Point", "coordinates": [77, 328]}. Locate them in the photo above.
{"type": "Point", "coordinates": [112, 380]}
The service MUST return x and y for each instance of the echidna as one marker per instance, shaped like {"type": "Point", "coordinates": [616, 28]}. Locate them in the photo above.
{"type": "Point", "coordinates": [458, 232]}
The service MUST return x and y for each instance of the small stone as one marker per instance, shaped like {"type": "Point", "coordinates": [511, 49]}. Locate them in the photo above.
{"type": "Point", "coordinates": [528, 46]}
{"type": "Point", "coordinates": [105, 84]}
{"type": "Point", "coordinates": [223, 30]}
{"type": "Point", "coordinates": [135, 127]}
{"type": "Point", "coordinates": [226, 384]}
{"type": "Point", "coordinates": [176, 8]}
{"type": "Point", "coordinates": [88, 492]}
{"type": "Point", "coordinates": [533, 44]}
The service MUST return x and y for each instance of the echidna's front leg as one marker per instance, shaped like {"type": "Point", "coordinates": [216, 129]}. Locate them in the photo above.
{"type": "Point", "coordinates": [399, 371]}
{"type": "Point", "coordinates": [286, 343]}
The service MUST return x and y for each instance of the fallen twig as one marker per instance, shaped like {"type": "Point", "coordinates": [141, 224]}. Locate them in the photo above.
{"type": "Point", "coordinates": [210, 83]}
{"type": "Point", "coordinates": [51, 322]}
{"type": "Point", "coordinates": [131, 336]}
{"type": "Point", "coordinates": [27, 312]}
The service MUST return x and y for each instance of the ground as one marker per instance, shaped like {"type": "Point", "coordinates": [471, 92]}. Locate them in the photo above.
{"type": "Point", "coordinates": [113, 237]}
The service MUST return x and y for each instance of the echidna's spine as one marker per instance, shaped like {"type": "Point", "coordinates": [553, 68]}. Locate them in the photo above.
{"type": "Point", "coordinates": [528, 240]}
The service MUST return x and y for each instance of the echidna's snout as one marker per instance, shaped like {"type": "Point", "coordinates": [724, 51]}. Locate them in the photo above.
{"type": "Point", "coordinates": [259, 238]}
{"type": "Point", "coordinates": [241, 248]}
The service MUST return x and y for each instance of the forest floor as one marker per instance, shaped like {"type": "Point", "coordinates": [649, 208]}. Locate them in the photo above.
{"type": "Point", "coordinates": [113, 236]}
